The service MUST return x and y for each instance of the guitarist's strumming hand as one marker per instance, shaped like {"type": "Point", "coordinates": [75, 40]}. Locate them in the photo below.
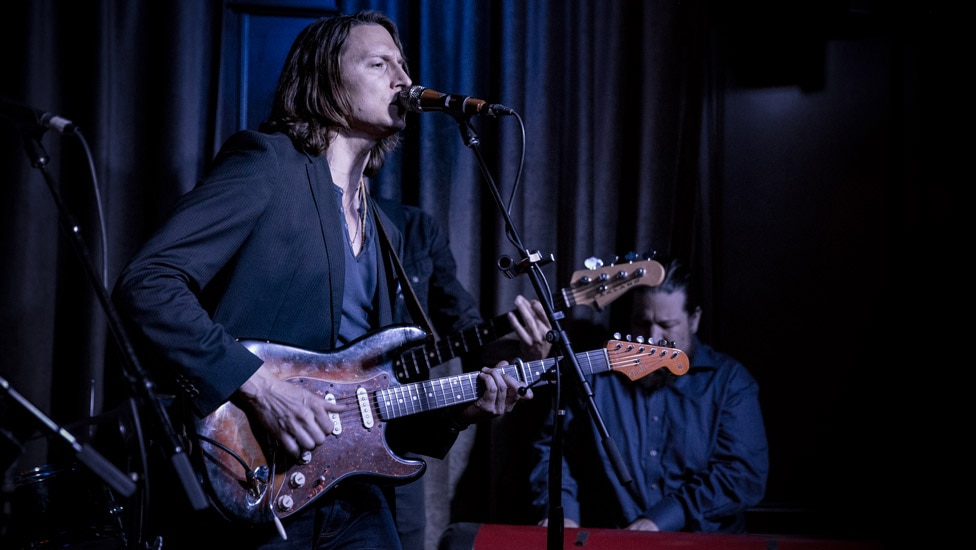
{"type": "Point", "coordinates": [501, 393]}
{"type": "Point", "coordinates": [292, 414]}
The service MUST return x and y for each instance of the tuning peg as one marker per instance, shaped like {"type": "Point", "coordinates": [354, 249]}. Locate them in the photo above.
{"type": "Point", "coordinates": [593, 263]}
{"type": "Point", "coordinates": [631, 256]}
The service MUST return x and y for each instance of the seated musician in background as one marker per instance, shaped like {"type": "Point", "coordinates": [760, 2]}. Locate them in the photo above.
{"type": "Point", "coordinates": [280, 242]}
{"type": "Point", "coordinates": [694, 444]}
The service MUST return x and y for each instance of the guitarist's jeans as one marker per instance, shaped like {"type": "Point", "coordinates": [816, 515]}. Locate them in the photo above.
{"type": "Point", "coordinates": [351, 516]}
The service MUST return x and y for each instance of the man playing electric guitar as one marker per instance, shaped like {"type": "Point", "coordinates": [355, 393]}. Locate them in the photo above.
{"type": "Point", "coordinates": [279, 242]}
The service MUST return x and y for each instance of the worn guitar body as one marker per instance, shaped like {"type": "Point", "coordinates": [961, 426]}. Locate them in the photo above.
{"type": "Point", "coordinates": [252, 480]}
{"type": "Point", "coordinates": [357, 449]}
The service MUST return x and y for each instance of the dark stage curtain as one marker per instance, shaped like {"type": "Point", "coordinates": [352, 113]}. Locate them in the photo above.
{"type": "Point", "coordinates": [138, 79]}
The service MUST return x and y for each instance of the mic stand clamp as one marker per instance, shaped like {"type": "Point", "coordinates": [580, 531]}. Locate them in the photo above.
{"type": "Point", "coordinates": [512, 269]}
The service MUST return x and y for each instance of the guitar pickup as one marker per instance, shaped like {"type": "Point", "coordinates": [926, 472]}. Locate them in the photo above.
{"type": "Point", "coordinates": [362, 396]}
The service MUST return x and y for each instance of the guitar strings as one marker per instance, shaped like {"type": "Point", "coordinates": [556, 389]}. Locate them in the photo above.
{"type": "Point", "coordinates": [431, 395]}
{"type": "Point", "coordinates": [434, 396]}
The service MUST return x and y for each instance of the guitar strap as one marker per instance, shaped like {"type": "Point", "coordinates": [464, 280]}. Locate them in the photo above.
{"type": "Point", "coordinates": [413, 303]}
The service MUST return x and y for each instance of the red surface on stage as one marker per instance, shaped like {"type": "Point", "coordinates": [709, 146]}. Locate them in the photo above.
{"type": "Point", "coordinates": [527, 537]}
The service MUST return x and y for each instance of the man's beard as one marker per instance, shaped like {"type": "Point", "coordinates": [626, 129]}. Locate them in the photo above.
{"type": "Point", "coordinates": [656, 380]}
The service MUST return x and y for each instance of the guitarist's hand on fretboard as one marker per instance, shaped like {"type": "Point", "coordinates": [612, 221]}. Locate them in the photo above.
{"type": "Point", "coordinates": [296, 418]}
{"type": "Point", "coordinates": [527, 341]}
{"type": "Point", "coordinates": [531, 325]}
{"type": "Point", "coordinates": [501, 393]}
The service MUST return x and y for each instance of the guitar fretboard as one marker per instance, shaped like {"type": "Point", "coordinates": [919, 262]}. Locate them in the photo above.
{"type": "Point", "coordinates": [419, 360]}
{"type": "Point", "coordinates": [418, 397]}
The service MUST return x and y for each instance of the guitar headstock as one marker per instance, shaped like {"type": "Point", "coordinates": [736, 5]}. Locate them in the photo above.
{"type": "Point", "coordinates": [600, 286]}
{"type": "Point", "coordinates": [638, 359]}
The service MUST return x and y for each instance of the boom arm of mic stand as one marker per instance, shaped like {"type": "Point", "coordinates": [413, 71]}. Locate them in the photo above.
{"type": "Point", "coordinates": [555, 529]}
{"type": "Point", "coordinates": [88, 456]}
{"type": "Point", "coordinates": [141, 385]}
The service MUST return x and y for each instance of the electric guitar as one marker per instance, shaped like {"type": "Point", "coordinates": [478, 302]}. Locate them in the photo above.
{"type": "Point", "coordinates": [253, 480]}
{"type": "Point", "coordinates": [596, 288]}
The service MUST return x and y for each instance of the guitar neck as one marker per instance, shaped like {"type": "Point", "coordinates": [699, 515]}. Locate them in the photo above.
{"type": "Point", "coordinates": [419, 360]}
{"type": "Point", "coordinates": [596, 288]}
{"type": "Point", "coordinates": [408, 399]}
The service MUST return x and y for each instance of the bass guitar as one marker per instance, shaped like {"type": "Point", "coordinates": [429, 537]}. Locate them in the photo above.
{"type": "Point", "coordinates": [253, 480]}
{"type": "Point", "coordinates": [595, 288]}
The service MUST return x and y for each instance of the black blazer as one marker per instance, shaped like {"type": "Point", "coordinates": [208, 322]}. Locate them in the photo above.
{"type": "Point", "coordinates": [254, 251]}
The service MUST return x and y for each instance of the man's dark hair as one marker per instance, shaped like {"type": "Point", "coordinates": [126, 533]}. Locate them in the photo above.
{"type": "Point", "coordinates": [310, 100]}
{"type": "Point", "coordinates": [678, 276]}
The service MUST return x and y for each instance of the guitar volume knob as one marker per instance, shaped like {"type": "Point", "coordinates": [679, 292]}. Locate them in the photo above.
{"type": "Point", "coordinates": [285, 503]}
{"type": "Point", "coordinates": [296, 480]}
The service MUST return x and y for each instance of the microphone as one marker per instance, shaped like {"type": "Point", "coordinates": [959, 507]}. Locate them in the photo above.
{"type": "Point", "coordinates": [31, 119]}
{"type": "Point", "coordinates": [419, 99]}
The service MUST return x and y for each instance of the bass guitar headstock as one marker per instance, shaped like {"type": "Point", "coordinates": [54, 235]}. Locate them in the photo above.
{"type": "Point", "coordinates": [599, 286]}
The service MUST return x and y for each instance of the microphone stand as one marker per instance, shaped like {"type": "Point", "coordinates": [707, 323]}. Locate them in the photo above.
{"type": "Point", "coordinates": [142, 388]}
{"type": "Point", "coordinates": [531, 264]}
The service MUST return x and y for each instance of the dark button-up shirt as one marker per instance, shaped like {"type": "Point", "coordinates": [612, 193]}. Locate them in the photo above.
{"type": "Point", "coordinates": [696, 450]}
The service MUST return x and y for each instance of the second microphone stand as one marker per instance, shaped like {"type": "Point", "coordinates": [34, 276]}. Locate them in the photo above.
{"type": "Point", "coordinates": [530, 264]}
{"type": "Point", "coordinates": [142, 388]}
